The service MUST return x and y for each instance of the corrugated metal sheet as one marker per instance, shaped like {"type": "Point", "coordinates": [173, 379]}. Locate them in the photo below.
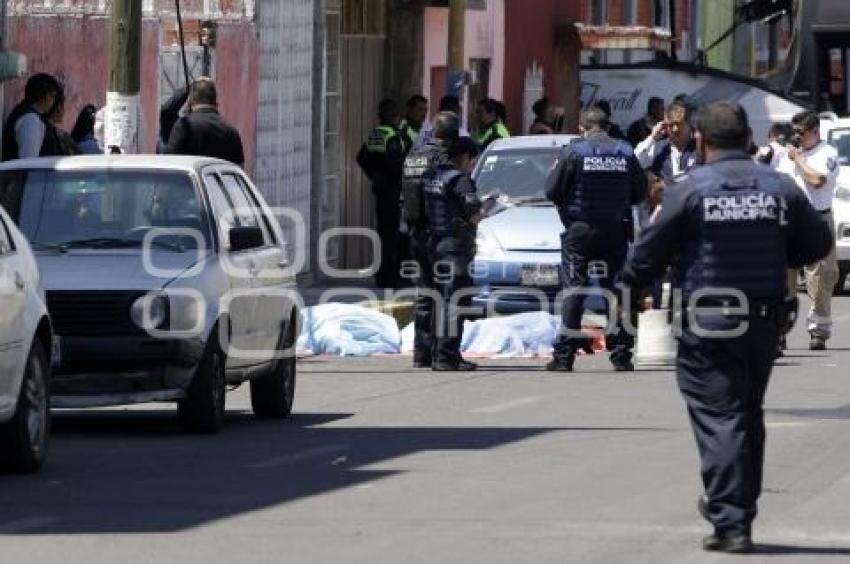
{"type": "Point", "coordinates": [284, 111]}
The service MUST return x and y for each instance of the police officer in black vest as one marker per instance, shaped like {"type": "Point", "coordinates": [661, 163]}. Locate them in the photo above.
{"type": "Point", "coordinates": [418, 162]}
{"type": "Point", "coordinates": [452, 211]}
{"type": "Point", "coordinates": [729, 230]}
{"type": "Point", "coordinates": [594, 184]}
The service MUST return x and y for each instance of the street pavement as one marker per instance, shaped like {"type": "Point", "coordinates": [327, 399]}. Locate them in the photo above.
{"type": "Point", "coordinates": [383, 463]}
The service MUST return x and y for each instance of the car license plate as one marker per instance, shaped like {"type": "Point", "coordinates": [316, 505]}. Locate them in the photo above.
{"type": "Point", "coordinates": [56, 352]}
{"type": "Point", "coordinates": [540, 275]}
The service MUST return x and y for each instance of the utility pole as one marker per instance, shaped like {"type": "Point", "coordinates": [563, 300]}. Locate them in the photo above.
{"type": "Point", "coordinates": [122, 119]}
{"type": "Point", "coordinates": [456, 75]}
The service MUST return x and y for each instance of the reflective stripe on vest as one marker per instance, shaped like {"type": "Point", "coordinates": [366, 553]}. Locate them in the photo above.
{"type": "Point", "coordinates": [379, 138]}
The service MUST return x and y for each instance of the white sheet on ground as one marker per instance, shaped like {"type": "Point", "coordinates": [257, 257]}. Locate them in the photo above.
{"type": "Point", "coordinates": [523, 334]}
{"type": "Point", "coordinates": [347, 330]}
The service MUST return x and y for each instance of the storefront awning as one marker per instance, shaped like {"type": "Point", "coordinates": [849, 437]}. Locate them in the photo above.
{"type": "Point", "coordinates": [616, 37]}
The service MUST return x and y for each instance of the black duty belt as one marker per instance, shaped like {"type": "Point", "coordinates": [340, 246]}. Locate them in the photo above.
{"type": "Point", "coordinates": [824, 212]}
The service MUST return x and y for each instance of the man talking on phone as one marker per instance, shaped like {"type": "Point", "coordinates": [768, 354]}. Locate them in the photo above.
{"type": "Point", "coordinates": [669, 152]}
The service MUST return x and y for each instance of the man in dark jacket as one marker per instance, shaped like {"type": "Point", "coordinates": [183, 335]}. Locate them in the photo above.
{"type": "Point", "coordinates": [25, 129]}
{"type": "Point", "coordinates": [203, 132]}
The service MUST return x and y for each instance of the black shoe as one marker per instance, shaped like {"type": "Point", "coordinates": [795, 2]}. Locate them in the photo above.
{"type": "Point", "coordinates": [623, 366]}
{"type": "Point", "coordinates": [817, 344]}
{"type": "Point", "coordinates": [587, 346]}
{"type": "Point", "coordinates": [733, 543]}
{"type": "Point", "coordinates": [422, 363]}
{"type": "Point", "coordinates": [702, 507]}
{"type": "Point", "coordinates": [561, 365]}
{"type": "Point", "coordinates": [456, 366]}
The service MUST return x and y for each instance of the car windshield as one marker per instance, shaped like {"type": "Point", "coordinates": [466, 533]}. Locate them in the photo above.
{"type": "Point", "coordinates": [103, 209]}
{"type": "Point", "coordinates": [519, 174]}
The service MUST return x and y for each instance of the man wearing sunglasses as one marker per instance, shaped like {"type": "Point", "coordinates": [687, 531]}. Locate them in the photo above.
{"type": "Point", "coordinates": [813, 164]}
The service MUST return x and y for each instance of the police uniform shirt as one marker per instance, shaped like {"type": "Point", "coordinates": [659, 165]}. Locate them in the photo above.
{"type": "Point", "coordinates": [824, 159]}
{"type": "Point", "coordinates": [737, 219]}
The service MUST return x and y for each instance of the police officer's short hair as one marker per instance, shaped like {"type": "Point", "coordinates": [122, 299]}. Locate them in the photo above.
{"type": "Point", "coordinates": [724, 125]}
{"type": "Point", "coordinates": [415, 100]}
{"type": "Point", "coordinates": [605, 106]}
{"type": "Point", "coordinates": [807, 119]}
{"type": "Point", "coordinates": [463, 146]}
{"type": "Point", "coordinates": [450, 103]}
{"type": "Point", "coordinates": [40, 85]}
{"type": "Point", "coordinates": [387, 108]}
{"type": "Point", "coordinates": [446, 126]}
{"type": "Point", "coordinates": [593, 117]}
{"type": "Point", "coordinates": [204, 92]}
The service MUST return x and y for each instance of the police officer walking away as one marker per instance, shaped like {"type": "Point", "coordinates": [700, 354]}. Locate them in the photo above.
{"type": "Point", "coordinates": [418, 162]}
{"type": "Point", "coordinates": [452, 209]}
{"type": "Point", "coordinates": [382, 160]}
{"type": "Point", "coordinates": [813, 164]}
{"type": "Point", "coordinates": [593, 185]}
{"type": "Point", "coordinates": [732, 226]}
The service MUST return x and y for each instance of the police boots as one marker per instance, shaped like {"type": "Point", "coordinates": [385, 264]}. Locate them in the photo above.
{"type": "Point", "coordinates": [453, 366]}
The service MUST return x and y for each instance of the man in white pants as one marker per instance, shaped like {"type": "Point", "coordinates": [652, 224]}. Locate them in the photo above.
{"type": "Point", "coordinates": [813, 164]}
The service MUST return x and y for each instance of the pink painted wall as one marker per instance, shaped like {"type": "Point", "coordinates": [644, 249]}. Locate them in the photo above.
{"type": "Point", "coordinates": [82, 60]}
{"type": "Point", "coordinates": [485, 39]}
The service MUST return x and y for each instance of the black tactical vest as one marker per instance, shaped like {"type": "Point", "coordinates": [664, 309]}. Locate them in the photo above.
{"type": "Point", "coordinates": [416, 164]}
{"type": "Point", "coordinates": [443, 210]}
{"type": "Point", "coordinates": [740, 240]}
{"type": "Point", "coordinates": [601, 193]}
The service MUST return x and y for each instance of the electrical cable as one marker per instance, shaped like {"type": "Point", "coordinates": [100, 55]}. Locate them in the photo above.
{"type": "Point", "coordinates": [182, 45]}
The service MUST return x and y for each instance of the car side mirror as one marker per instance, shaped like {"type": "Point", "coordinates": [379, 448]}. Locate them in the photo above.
{"type": "Point", "coordinates": [245, 238]}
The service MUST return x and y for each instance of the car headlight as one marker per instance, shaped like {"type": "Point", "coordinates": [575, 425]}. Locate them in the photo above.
{"type": "Point", "coordinates": [487, 246]}
{"type": "Point", "coordinates": [150, 312]}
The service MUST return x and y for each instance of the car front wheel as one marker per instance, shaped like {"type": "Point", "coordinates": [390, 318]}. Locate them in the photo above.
{"type": "Point", "coordinates": [202, 410]}
{"type": "Point", "coordinates": [23, 439]}
{"type": "Point", "coordinates": [273, 395]}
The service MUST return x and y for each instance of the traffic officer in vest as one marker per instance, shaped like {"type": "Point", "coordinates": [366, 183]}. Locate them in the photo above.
{"type": "Point", "coordinates": [594, 184]}
{"type": "Point", "coordinates": [729, 230]}
{"type": "Point", "coordinates": [417, 113]}
{"type": "Point", "coordinates": [490, 125]}
{"type": "Point", "coordinates": [452, 210]}
{"type": "Point", "coordinates": [382, 160]}
{"type": "Point", "coordinates": [419, 161]}
{"type": "Point", "coordinates": [670, 152]}
{"type": "Point", "coordinates": [813, 164]}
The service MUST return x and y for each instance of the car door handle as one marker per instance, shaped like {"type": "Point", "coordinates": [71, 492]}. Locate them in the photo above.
{"type": "Point", "coordinates": [19, 281]}
{"type": "Point", "coordinates": [283, 263]}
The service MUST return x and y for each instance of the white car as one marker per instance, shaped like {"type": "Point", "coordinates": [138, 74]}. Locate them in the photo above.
{"type": "Point", "coordinates": [838, 135]}
{"type": "Point", "coordinates": [25, 346]}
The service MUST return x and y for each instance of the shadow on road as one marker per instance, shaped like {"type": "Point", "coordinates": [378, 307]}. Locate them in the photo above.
{"type": "Point", "coordinates": [133, 471]}
{"type": "Point", "coordinates": [840, 412]}
{"type": "Point", "coordinates": [787, 550]}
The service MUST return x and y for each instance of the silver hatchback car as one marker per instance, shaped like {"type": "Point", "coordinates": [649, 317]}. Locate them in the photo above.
{"type": "Point", "coordinates": [166, 279]}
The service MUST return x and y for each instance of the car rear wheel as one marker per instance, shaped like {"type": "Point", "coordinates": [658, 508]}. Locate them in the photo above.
{"type": "Point", "coordinates": [202, 410]}
{"type": "Point", "coordinates": [273, 395]}
{"type": "Point", "coordinates": [24, 439]}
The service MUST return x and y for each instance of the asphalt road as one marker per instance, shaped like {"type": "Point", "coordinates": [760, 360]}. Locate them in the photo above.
{"type": "Point", "coordinates": [383, 463]}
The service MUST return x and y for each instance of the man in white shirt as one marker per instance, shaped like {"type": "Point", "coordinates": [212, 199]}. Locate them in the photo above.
{"type": "Point", "coordinates": [23, 134]}
{"type": "Point", "coordinates": [814, 166]}
{"type": "Point", "coordinates": [669, 152]}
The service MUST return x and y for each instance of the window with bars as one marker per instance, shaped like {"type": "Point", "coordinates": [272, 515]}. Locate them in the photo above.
{"type": "Point", "coordinates": [363, 17]}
